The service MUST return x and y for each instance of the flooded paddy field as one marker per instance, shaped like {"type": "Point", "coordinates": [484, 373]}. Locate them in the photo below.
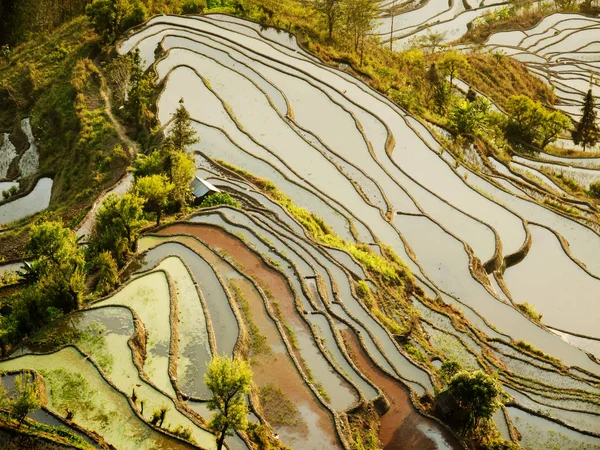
{"type": "Point", "coordinates": [361, 258]}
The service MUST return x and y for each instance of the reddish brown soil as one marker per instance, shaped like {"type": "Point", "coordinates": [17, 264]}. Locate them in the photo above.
{"type": "Point", "coordinates": [402, 428]}
{"type": "Point", "coordinates": [276, 367]}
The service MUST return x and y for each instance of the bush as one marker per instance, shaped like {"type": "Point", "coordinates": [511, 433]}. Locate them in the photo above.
{"type": "Point", "coordinates": [219, 198]}
{"type": "Point", "coordinates": [193, 7]}
{"type": "Point", "coordinates": [594, 189]}
{"type": "Point", "coordinates": [449, 369]}
{"type": "Point", "coordinates": [9, 192]}
{"type": "Point", "coordinates": [530, 311]}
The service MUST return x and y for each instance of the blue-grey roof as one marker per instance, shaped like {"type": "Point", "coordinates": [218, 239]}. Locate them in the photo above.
{"type": "Point", "coordinates": [201, 187]}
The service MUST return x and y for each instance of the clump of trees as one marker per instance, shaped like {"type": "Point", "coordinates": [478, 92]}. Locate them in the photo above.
{"type": "Point", "coordinates": [58, 274]}
{"type": "Point", "coordinates": [162, 178]}
{"type": "Point", "coordinates": [111, 17]}
{"type": "Point", "coordinates": [229, 380]}
{"type": "Point", "coordinates": [351, 20]}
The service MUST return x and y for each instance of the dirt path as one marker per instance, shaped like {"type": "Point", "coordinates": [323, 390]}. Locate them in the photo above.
{"type": "Point", "coordinates": [105, 93]}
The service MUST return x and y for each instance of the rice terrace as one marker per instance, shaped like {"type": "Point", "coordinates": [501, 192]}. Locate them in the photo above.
{"type": "Point", "coordinates": [300, 224]}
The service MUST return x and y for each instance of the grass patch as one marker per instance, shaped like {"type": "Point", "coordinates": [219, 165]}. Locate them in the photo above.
{"type": "Point", "coordinates": [530, 311]}
{"type": "Point", "coordinates": [259, 340]}
{"type": "Point", "coordinates": [528, 348]}
{"type": "Point", "coordinates": [71, 391]}
{"type": "Point", "coordinates": [391, 269]}
{"type": "Point", "coordinates": [290, 333]}
{"type": "Point", "coordinates": [278, 409]}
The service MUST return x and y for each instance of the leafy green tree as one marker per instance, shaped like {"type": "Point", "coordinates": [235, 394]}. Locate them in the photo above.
{"type": "Point", "coordinates": [229, 380]}
{"type": "Point", "coordinates": [586, 132]}
{"type": "Point", "coordinates": [359, 20]}
{"type": "Point", "coordinates": [530, 123]}
{"type": "Point", "coordinates": [442, 93]}
{"type": "Point", "coordinates": [118, 223]}
{"type": "Point", "coordinates": [59, 264]}
{"type": "Point", "coordinates": [181, 133]}
{"type": "Point", "coordinates": [452, 63]}
{"type": "Point", "coordinates": [156, 191]}
{"type": "Point", "coordinates": [152, 164]}
{"type": "Point", "coordinates": [27, 398]}
{"type": "Point", "coordinates": [332, 10]}
{"type": "Point", "coordinates": [554, 124]}
{"type": "Point", "coordinates": [108, 273]}
{"type": "Point", "coordinates": [469, 117]}
{"type": "Point", "coordinates": [106, 17]}
{"type": "Point", "coordinates": [478, 395]}
{"type": "Point", "coordinates": [181, 174]}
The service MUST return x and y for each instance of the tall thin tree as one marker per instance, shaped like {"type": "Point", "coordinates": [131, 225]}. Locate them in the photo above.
{"type": "Point", "coordinates": [586, 132]}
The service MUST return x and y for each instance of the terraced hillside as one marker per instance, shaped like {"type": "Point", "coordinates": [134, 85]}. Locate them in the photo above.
{"type": "Point", "coordinates": [362, 257]}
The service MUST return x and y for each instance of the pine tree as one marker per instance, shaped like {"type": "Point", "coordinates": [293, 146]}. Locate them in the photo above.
{"type": "Point", "coordinates": [587, 133]}
{"type": "Point", "coordinates": [182, 133]}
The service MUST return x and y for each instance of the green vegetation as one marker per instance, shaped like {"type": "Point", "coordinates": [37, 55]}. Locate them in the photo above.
{"type": "Point", "coordinates": [229, 380]}
{"type": "Point", "coordinates": [108, 273]}
{"type": "Point", "coordinates": [71, 391]}
{"type": "Point", "coordinates": [26, 399]}
{"type": "Point", "coordinates": [470, 117]}
{"type": "Point", "coordinates": [259, 340]}
{"type": "Point", "coordinates": [594, 189]}
{"type": "Point", "coordinates": [528, 348]}
{"type": "Point", "coordinates": [217, 199]}
{"type": "Point", "coordinates": [155, 191]}
{"type": "Point", "coordinates": [118, 225]}
{"type": "Point", "coordinates": [279, 410]}
{"type": "Point", "coordinates": [478, 395]}
{"type": "Point", "coordinates": [391, 269]}
{"type": "Point", "coordinates": [586, 132]}
{"type": "Point", "coordinates": [58, 264]}
{"type": "Point", "coordinates": [530, 123]}
{"type": "Point", "coordinates": [58, 274]}
{"type": "Point", "coordinates": [182, 134]}
{"type": "Point", "coordinates": [163, 177]}
{"type": "Point", "coordinates": [530, 311]}
{"type": "Point", "coordinates": [53, 80]}
{"type": "Point", "coordinates": [449, 369]}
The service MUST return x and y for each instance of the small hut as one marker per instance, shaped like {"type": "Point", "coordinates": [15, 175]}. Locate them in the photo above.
{"type": "Point", "coordinates": [201, 188]}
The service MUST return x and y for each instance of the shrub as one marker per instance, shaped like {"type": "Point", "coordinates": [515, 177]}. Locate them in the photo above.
{"type": "Point", "coordinates": [219, 198]}
{"type": "Point", "coordinates": [449, 369]}
{"type": "Point", "coordinates": [594, 189]}
{"type": "Point", "coordinates": [530, 311]}
{"type": "Point", "coordinates": [193, 6]}
{"type": "Point", "coordinates": [9, 192]}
